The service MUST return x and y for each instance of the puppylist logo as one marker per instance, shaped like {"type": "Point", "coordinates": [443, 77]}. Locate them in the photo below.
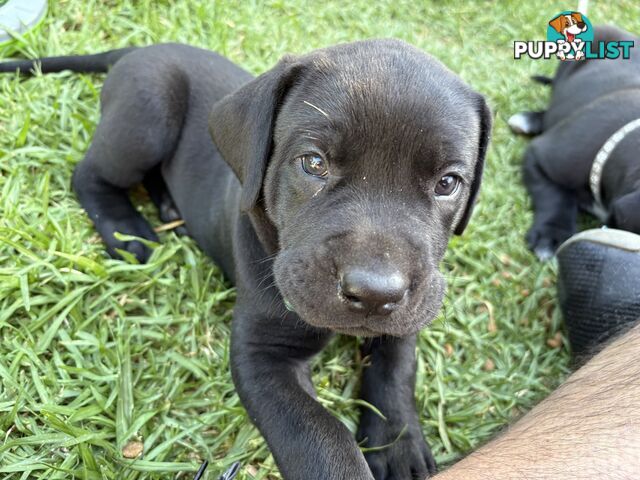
{"type": "Point", "coordinates": [570, 37]}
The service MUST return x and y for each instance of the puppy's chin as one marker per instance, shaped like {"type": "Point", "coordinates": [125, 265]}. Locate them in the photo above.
{"type": "Point", "coordinates": [358, 332]}
{"type": "Point", "coordinates": [311, 291]}
{"type": "Point", "coordinates": [364, 331]}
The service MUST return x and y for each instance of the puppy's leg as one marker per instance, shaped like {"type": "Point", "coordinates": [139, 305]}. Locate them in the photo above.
{"type": "Point", "coordinates": [141, 121]}
{"type": "Point", "coordinates": [269, 363]}
{"type": "Point", "coordinates": [111, 211]}
{"type": "Point", "coordinates": [555, 209]}
{"type": "Point", "coordinates": [388, 384]}
{"type": "Point", "coordinates": [625, 212]}
{"type": "Point", "coordinates": [526, 123]}
{"type": "Point", "coordinates": [157, 189]}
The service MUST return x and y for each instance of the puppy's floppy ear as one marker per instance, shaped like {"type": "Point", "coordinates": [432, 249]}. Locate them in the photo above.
{"type": "Point", "coordinates": [577, 16]}
{"type": "Point", "coordinates": [557, 23]}
{"type": "Point", "coordinates": [483, 144]}
{"type": "Point", "coordinates": [241, 126]}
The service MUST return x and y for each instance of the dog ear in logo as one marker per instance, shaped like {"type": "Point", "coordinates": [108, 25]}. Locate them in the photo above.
{"type": "Point", "coordinates": [558, 23]}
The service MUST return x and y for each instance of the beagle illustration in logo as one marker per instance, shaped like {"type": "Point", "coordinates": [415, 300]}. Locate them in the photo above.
{"type": "Point", "coordinates": [569, 26]}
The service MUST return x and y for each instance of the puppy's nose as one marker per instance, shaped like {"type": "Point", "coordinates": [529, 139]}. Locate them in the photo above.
{"type": "Point", "coordinates": [581, 25]}
{"type": "Point", "coordinates": [373, 292]}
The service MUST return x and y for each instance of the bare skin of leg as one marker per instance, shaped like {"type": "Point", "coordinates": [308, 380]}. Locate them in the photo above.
{"type": "Point", "coordinates": [589, 428]}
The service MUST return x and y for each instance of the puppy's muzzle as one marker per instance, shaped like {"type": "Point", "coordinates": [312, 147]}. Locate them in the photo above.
{"type": "Point", "coordinates": [373, 291]}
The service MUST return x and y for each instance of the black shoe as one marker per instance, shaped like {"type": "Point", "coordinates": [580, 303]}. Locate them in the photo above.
{"type": "Point", "coordinates": [599, 286]}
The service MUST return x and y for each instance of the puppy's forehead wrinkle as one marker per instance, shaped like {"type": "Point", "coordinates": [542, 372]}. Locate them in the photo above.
{"type": "Point", "coordinates": [387, 92]}
{"type": "Point", "coordinates": [396, 133]}
{"type": "Point", "coordinates": [399, 123]}
{"type": "Point", "coordinates": [379, 74]}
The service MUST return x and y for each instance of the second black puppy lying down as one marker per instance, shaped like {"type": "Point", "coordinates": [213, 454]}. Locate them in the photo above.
{"type": "Point", "coordinates": [332, 185]}
{"type": "Point", "coordinates": [585, 154]}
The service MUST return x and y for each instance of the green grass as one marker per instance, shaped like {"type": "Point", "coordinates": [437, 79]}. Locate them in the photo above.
{"type": "Point", "coordinates": [96, 353]}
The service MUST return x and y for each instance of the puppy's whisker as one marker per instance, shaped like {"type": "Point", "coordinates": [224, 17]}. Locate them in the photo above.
{"type": "Point", "coordinates": [317, 108]}
{"type": "Point", "coordinates": [262, 280]}
{"type": "Point", "coordinates": [262, 291]}
{"type": "Point", "coordinates": [265, 259]}
{"type": "Point", "coordinates": [311, 137]}
{"type": "Point", "coordinates": [273, 306]}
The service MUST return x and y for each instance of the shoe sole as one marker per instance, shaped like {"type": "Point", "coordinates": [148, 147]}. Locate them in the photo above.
{"type": "Point", "coordinates": [610, 237]}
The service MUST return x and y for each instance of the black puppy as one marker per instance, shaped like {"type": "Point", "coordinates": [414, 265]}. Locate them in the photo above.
{"type": "Point", "coordinates": [331, 186]}
{"type": "Point", "coordinates": [579, 160]}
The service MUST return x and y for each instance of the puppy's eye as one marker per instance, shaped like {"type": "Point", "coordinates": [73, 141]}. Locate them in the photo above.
{"type": "Point", "coordinates": [314, 165]}
{"type": "Point", "coordinates": [447, 185]}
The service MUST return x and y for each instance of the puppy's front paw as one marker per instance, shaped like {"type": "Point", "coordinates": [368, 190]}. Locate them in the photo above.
{"type": "Point", "coordinates": [544, 240]}
{"type": "Point", "coordinates": [396, 453]}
